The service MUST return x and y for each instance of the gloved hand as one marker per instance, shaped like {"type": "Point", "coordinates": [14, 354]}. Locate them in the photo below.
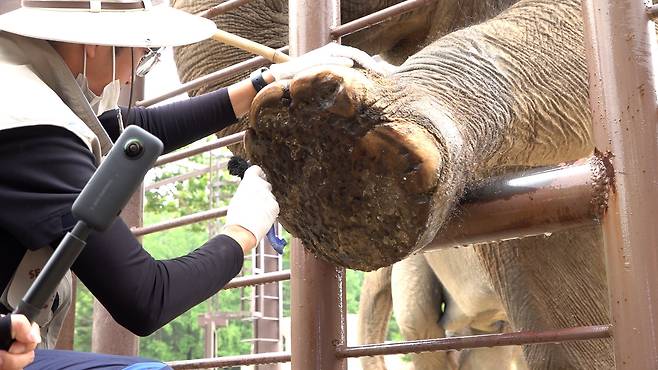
{"type": "Point", "coordinates": [330, 54]}
{"type": "Point", "coordinates": [253, 206]}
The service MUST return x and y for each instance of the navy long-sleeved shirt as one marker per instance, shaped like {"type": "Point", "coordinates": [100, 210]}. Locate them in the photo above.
{"type": "Point", "coordinates": [42, 171]}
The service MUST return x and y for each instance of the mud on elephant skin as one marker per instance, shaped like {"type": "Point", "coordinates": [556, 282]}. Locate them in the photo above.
{"type": "Point", "coordinates": [367, 169]}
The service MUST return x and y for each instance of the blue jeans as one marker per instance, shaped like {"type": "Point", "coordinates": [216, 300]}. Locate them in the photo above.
{"type": "Point", "coordinates": [70, 360]}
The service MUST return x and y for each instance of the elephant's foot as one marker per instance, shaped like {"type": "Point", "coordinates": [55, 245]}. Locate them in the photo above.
{"type": "Point", "coordinates": [355, 169]}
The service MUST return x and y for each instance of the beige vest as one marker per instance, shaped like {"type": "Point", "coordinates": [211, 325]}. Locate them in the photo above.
{"type": "Point", "coordinates": [37, 88]}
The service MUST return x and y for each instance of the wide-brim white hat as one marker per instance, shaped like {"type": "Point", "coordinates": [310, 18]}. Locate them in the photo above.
{"type": "Point", "coordinates": [130, 23]}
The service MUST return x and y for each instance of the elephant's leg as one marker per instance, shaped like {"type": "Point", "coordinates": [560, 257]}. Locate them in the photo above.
{"type": "Point", "coordinates": [417, 305]}
{"type": "Point", "coordinates": [554, 282]}
{"type": "Point", "coordinates": [472, 305]}
{"type": "Point", "coordinates": [494, 358]}
{"type": "Point", "coordinates": [375, 307]}
{"type": "Point", "coordinates": [472, 301]}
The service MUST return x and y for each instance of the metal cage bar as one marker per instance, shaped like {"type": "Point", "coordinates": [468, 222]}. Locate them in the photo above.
{"type": "Point", "coordinates": [181, 221]}
{"type": "Point", "coordinates": [230, 361]}
{"type": "Point", "coordinates": [478, 341]}
{"type": "Point", "coordinates": [268, 277]}
{"type": "Point", "coordinates": [318, 326]}
{"type": "Point", "coordinates": [378, 17]}
{"type": "Point", "coordinates": [224, 7]}
{"type": "Point", "coordinates": [223, 73]}
{"type": "Point", "coordinates": [533, 202]}
{"type": "Point", "coordinates": [620, 42]}
{"type": "Point", "coordinates": [216, 144]}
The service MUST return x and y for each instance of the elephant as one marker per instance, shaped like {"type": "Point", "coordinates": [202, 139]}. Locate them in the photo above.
{"type": "Point", "coordinates": [490, 87]}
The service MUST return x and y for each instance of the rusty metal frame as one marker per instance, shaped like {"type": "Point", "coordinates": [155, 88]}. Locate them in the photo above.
{"type": "Point", "coordinates": [229, 361]}
{"type": "Point", "coordinates": [224, 7]}
{"type": "Point", "coordinates": [478, 341]}
{"type": "Point", "coordinates": [181, 221]}
{"type": "Point", "coordinates": [188, 175]}
{"type": "Point", "coordinates": [227, 72]}
{"type": "Point", "coordinates": [378, 17]}
{"type": "Point", "coordinates": [269, 277]}
{"type": "Point", "coordinates": [219, 143]}
{"type": "Point", "coordinates": [318, 326]}
{"type": "Point", "coordinates": [620, 43]}
{"type": "Point", "coordinates": [534, 202]}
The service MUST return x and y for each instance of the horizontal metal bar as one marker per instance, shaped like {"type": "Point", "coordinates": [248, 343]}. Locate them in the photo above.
{"type": "Point", "coordinates": [187, 176]}
{"type": "Point", "coordinates": [378, 17]}
{"type": "Point", "coordinates": [182, 221]}
{"type": "Point", "coordinates": [477, 341]}
{"type": "Point", "coordinates": [270, 277]}
{"type": "Point", "coordinates": [224, 73]}
{"type": "Point", "coordinates": [534, 202]}
{"type": "Point", "coordinates": [229, 361]}
{"type": "Point", "coordinates": [267, 296]}
{"type": "Point", "coordinates": [267, 340]}
{"type": "Point", "coordinates": [264, 318]}
{"type": "Point", "coordinates": [216, 144]}
{"type": "Point", "coordinates": [222, 8]}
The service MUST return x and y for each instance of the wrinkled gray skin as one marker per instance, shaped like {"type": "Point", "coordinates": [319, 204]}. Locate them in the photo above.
{"type": "Point", "coordinates": [266, 22]}
{"type": "Point", "coordinates": [509, 93]}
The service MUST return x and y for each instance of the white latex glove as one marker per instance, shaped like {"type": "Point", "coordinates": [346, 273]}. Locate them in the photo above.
{"type": "Point", "coordinates": [330, 54]}
{"type": "Point", "coordinates": [253, 206]}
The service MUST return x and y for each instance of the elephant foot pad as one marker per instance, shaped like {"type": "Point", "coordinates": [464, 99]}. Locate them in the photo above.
{"type": "Point", "coordinates": [355, 182]}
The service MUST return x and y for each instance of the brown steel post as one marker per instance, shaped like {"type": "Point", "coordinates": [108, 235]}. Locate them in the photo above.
{"type": "Point", "coordinates": [107, 336]}
{"type": "Point", "coordinates": [317, 287]}
{"type": "Point", "coordinates": [66, 338]}
{"type": "Point", "coordinates": [267, 333]}
{"type": "Point", "coordinates": [619, 44]}
{"type": "Point", "coordinates": [209, 332]}
{"type": "Point", "coordinates": [9, 5]}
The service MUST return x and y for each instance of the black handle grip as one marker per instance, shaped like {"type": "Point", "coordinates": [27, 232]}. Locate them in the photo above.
{"type": "Point", "coordinates": [5, 343]}
{"type": "Point", "coordinates": [5, 333]}
{"type": "Point", "coordinates": [24, 309]}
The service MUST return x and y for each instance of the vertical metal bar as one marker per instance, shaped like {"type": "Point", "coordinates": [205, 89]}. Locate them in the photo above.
{"type": "Point", "coordinates": [619, 44]}
{"type": "Point", "coordinates": [318, 287]}
{"type": "Point", "coordinates": [267, 332]}
{"type": "Point", "coordinates": [107, 336]}
{"type": "Point", "coordinates": [210, 342]}
{"type": "Point", "coordinates": [66, 337]}
{"type": "Point", "coordinates": [9, 5]}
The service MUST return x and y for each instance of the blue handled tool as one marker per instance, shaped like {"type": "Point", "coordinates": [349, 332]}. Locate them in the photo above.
{"type": "Point", "coordinates": [237, 166]}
